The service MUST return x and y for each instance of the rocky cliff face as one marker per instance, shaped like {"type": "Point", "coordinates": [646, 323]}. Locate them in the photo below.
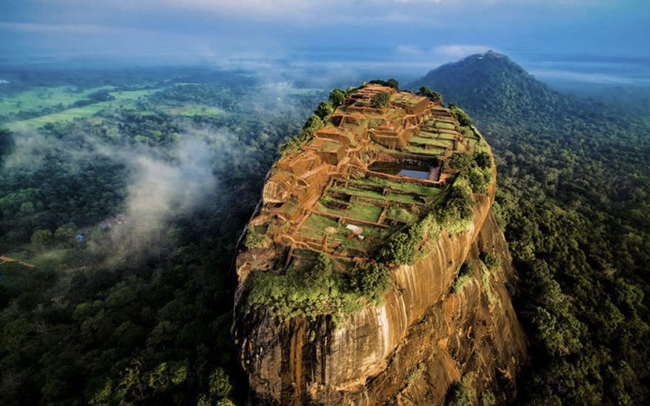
{"type": "Point", "coordinates": [431, 330]}
{"type": "Point", "coordinates": [408, 351]}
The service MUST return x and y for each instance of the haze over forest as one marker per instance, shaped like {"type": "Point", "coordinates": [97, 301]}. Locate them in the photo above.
{"type": "Point", "coordinates": [135, 140]}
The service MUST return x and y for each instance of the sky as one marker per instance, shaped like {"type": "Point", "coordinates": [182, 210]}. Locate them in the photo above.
{"type": "Point", "coordinates": [584, 40]}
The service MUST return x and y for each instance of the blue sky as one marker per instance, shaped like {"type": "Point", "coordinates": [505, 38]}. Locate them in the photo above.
{"type": "Point", "coordinates": [597, 40]}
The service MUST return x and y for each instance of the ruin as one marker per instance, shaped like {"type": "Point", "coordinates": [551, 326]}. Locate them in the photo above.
{"type": "Point", "coordinates": [372, 168]}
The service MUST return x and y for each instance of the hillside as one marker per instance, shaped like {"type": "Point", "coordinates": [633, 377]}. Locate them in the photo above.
{"type": "Point", "coordinates": [373, 271]}
{"type": "Point", "coordinates": [491, 85]}
{"type": "Point", "coordinates": [574, 190]}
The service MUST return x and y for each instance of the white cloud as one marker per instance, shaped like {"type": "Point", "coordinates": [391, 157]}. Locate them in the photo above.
{"type": "Point", "coordinates": [563, 75]}
{"type": "Point", "coordinates": [458, 51]}
{"type": "Point", "coordinates": [55, 28]}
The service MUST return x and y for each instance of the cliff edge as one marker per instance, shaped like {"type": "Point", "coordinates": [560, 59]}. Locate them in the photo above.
{"type": "Point", "coordinates": [373, 271]}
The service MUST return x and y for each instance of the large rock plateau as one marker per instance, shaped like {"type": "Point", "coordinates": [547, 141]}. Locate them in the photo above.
{"type": "Point", "coordinates": [428, 333]}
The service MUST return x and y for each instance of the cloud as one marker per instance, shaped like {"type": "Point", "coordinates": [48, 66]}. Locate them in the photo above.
{"type": "Point", "coordinates": [159, 190]}
{"type": "Point", "coordinates": [55, 28]}
{"type": "Point", "coordinates": [599, 78]}
{"type": "Point", "coordinates": [460, 50]}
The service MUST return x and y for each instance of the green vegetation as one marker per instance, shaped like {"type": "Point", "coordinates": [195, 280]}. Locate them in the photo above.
{"type": "Point", "coordinates": [254, 239]}
{"type": "Point", "coordinates": [316, 289]}
{"type": "Point", "coordinates": [433, 96]}
{"type": "Point", "coordinates": [460, 115]}
{"type": "Point", "coordinates": [337, 98]}
{"type": "Point", "coordinates": [476, 169]}
{"type": "Point", "coordinates": [460, 394]}
{"type": "Point", "coordinates": [372, 281]}
{"type": "Point", "coordinates": [312, 124]}
{"type": "Point", "coordinates": [130, 317]}
{"type": "Point", "coordinates": [380, 100]}
{"type": "Point", "coordinates": [416, 373]}
{"type": "Point", "coordinates": [390, 83]}
{"type": "Point", "coordinates": [574, 203]}
{"type": "Point", "coordinates": [465, 273]}
{"type": "Point", "coordinates": [297, 293]}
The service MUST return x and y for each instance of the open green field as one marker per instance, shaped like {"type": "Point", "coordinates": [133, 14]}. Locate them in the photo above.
{"type": "Point", "coordinates": [40, 98]}
{"type": "Point", "coordinates": [123, 99]}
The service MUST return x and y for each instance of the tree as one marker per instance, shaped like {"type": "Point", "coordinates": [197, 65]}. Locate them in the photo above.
{"type": "Point", "coordinates": [6, 143]}
{"type": "Point", "coordinates": [41, 238]}
{"type": "Point", "coordinates": [65, 234]}
{"type": "Point", "coordinates": [461, 116]}
{"type": "Point", "coordinates": [372, 280]}
{"type": "Point", "coordinates": [220, 385]}
{"type": "Point", "coordinates": [433, 96]}
{"type": "Point", "coordinates": [483, 160]}
{"type": "Point", "coordinates": [460, 162]}
{"type": "Point", "coordinates": [380, 100]}
{"type": "Point", "coordinates": [319, 275]}
{"type": "Point", "coordinates": [337, 97]}
{"type": "Point", "coordinates": [324, 110]}
{"type": "Point", "coordinates": [393, 83]}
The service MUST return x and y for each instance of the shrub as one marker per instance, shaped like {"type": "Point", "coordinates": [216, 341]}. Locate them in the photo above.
{"type": "Point", "coordinates": [461, 116]}
{"type": "Point", "coordinates": [459, 394]}
{"type": "Point", "coordinates": [478, 181]}
{"type": "Point", "coordinates": [220, 384]}
{"type": "Point", "coordinates": [312, 124]}
{"type": "Point", "coordinates": [372, 280]}
{"type": "Point", "coordinates": [380, 100]}
{"type": "Point", "coordinates": [455, 213]}
{"type": "Point", "coordinates": [433, 96]}
{"type": "Point", "coordinates": [491, 260]}
{"type": "Point", "coordinates": [254, 239]}
{"type": "Point", "coordinates": [465, 273]}
{"type": "Point", "coordinates": [337, 97]}
{"type": "Point", "coordinates": [460, 162]}
{"type": "Point", "coordinates": [400, 250]}
{"type": "Point", "coordinates": [321, 273]}
{"type": "Point", "coordinates": [324, 110]}
{"type": "Point", "coordinates": [390, 83]}
{"type": "Point", "coordinates": [483, 160]}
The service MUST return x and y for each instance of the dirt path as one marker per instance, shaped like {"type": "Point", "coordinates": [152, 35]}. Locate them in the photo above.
{"type": "Point", "coordinates": [7, 259]}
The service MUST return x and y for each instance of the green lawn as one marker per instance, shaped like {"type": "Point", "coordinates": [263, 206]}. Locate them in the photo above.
{"type": "Point", "coordinates": [401, 215]}
{"type": "Point", "coordinates": [442, 124]}
{"type": "Point", "coordinates": [399, 186]}
{"type": "Point", "coordinates": [431, 152]}
{"type": "Point", "coordinates": [428, 141]}
{"type": "Point", "coordinates": [375, 195]}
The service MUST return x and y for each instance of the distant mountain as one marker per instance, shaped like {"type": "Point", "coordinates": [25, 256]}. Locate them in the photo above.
{"type": "Point", "coordinates": [574, 195]}
{"type": "Point", "coordinates": [492, 87]}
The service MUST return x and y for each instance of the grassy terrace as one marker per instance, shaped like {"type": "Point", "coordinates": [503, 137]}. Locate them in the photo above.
{"type": "Point", "coordinates": [434, 152]}
{"type": "Point", "coordinates": [444, 125]}
{"type": "Point", "coordinates": [356, 211]}
{"type": "Point", "coordinates": [339, 237]}
{"type": "Point", "coordinates": [430, 141]}
{"type": "Point", "coordinates": [362, 203]}
{"type": "Point", "coordinates": [400, 186]}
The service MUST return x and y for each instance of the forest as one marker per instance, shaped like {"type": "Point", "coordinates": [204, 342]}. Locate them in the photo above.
{"type": "Point", "coordinates": [574, 187]}
{"type": "Point", "coordinates": [130, 301]}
